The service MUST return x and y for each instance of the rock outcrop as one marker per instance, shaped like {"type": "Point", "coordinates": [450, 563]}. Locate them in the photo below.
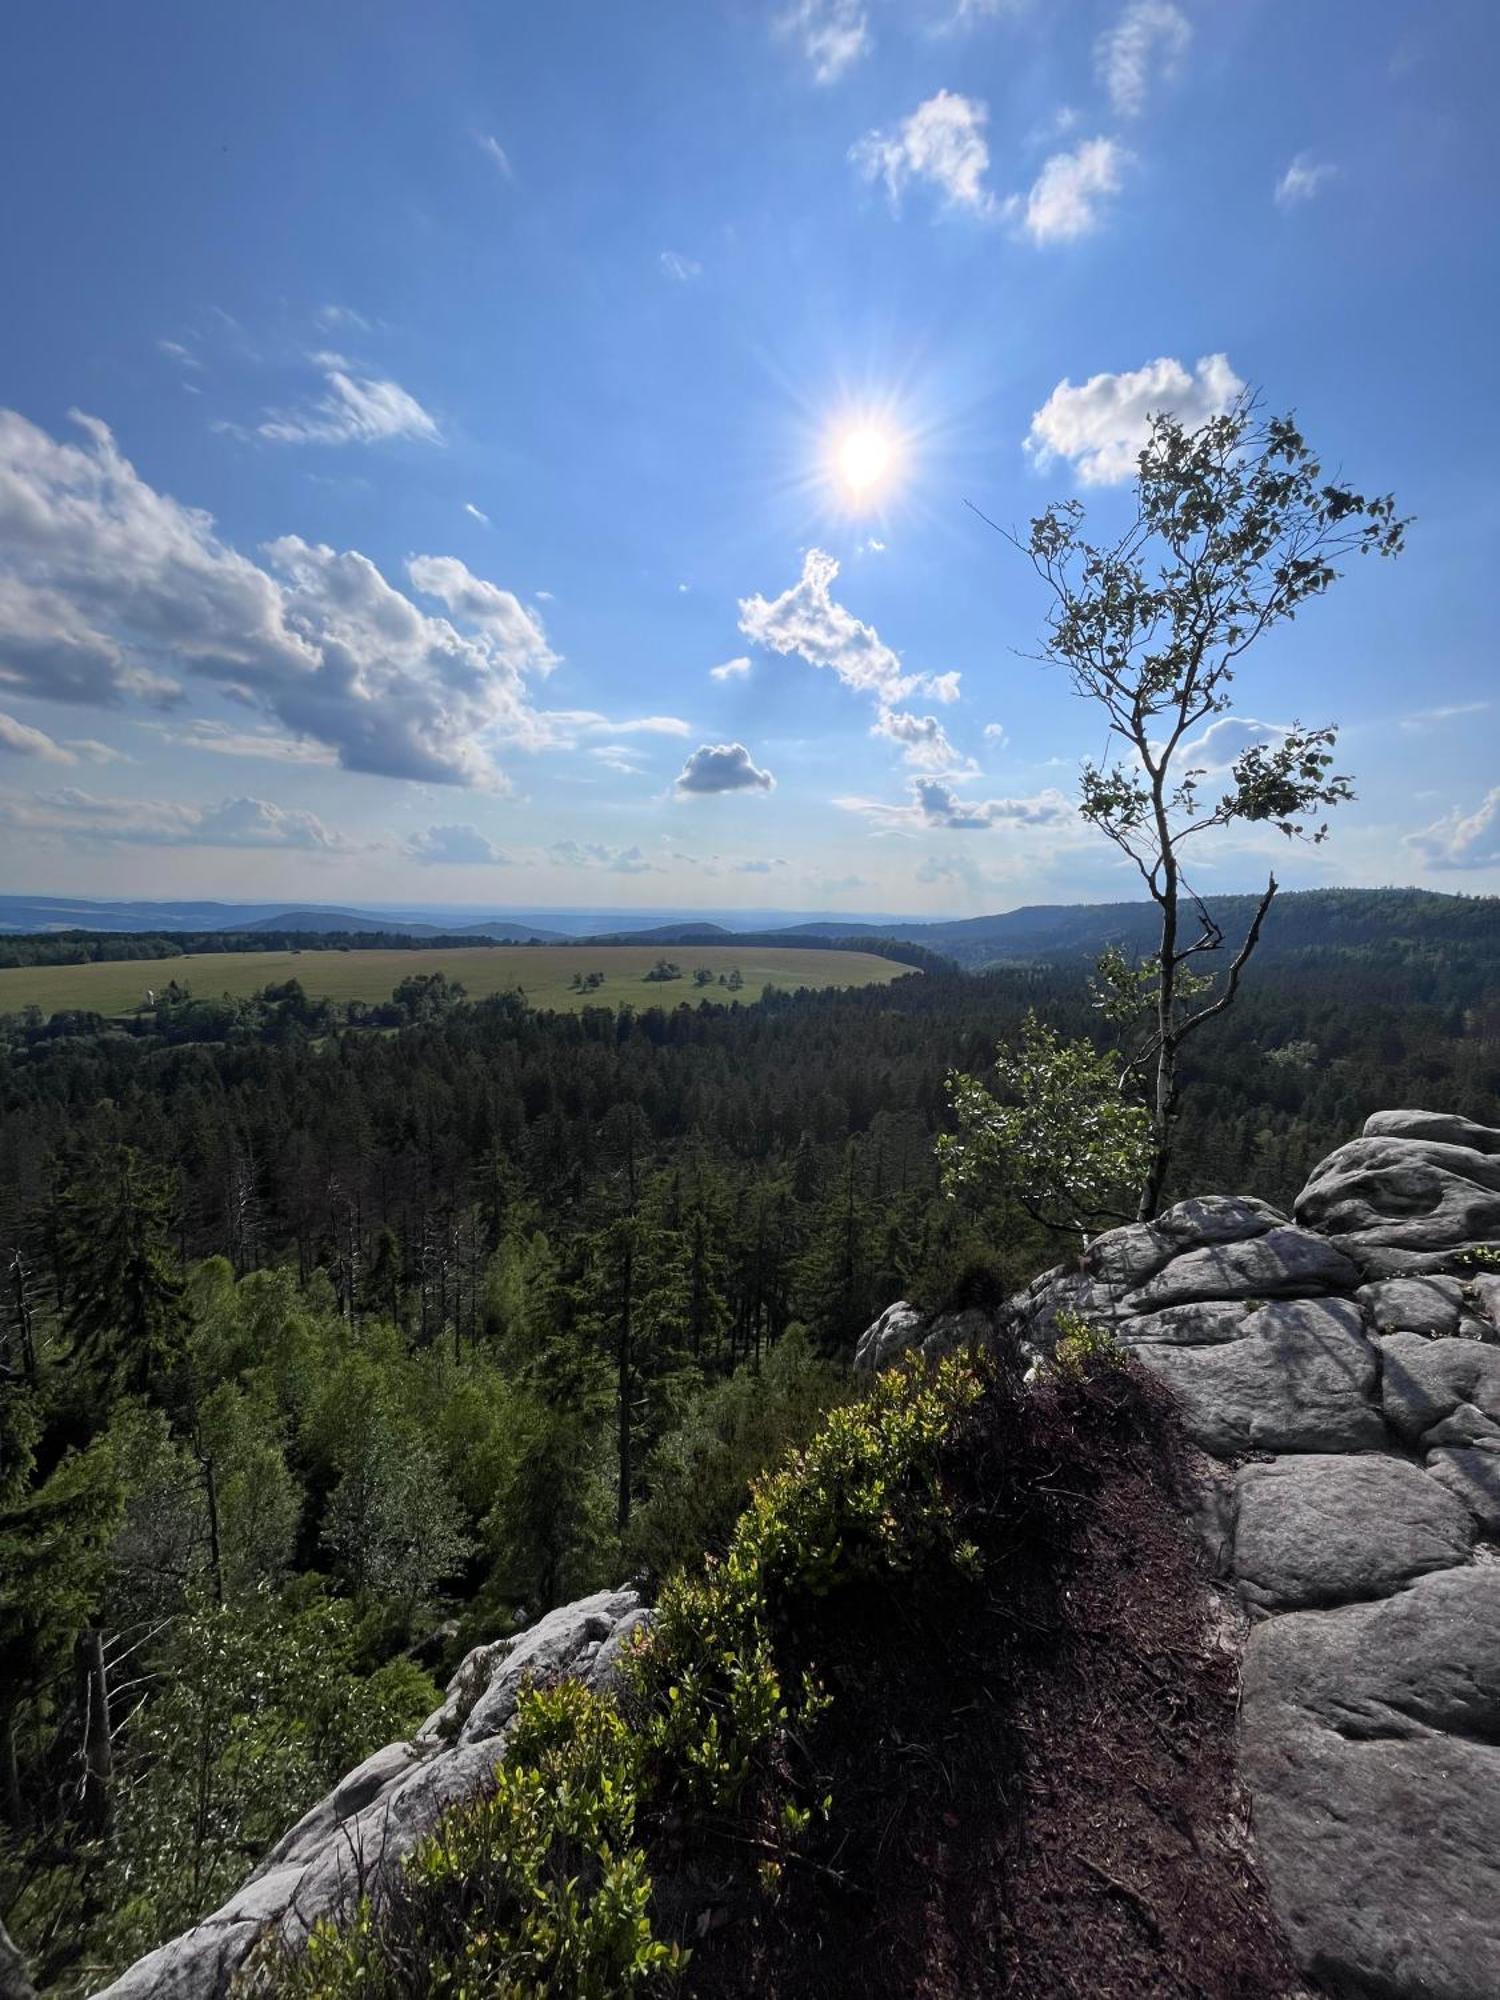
{"type": "Point", "coordinates": [379, 1811]}
{"type": "Point", "coordinates": [1339, 1372]}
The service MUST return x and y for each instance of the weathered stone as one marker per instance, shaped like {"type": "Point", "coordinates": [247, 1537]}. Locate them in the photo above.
{"type": "Point", "coordinates": [1445, 1127]}
{"type": "Point", "coordinates": [953, 1332]}
{"type": "Point", "coordinates": [1369, 1742]}
{"type": "Point", "coordinates": [1414, 1305]}
{"type": "Point", "coordinates": [1465, 1425]}
{"type": "Point", "coordinates": [566, 1641]}
{"type": "Point", "coordinates": [1283, 1263]}
{"type": "Point", "coordinates": [1125, 1258]}
{"type": "Point", "coordinates": [1301, 1377]}
{"type": "Point", "coordinates": [1201, 1323]}
{"type": "Point", "coordinates": [1388, 1260]}
{"type": "Point", "coordinates": [1327, 1529]}
{"type": "Point", "coordinates": [1424, 1381]}
{"type": "Point", "coordinates": [1484, 1290]}
{"type": "Point", "coordinates": [898, 1328]}
{"type": "Point", "coordinates": [1472, 1474]}
{"type": "Point", "coordinates": [1413, 1193]}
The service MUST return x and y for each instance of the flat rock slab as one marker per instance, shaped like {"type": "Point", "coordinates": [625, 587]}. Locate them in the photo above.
{"type": "Point", "coordinates": [1328, 1529]}
{"type": "Point", "coordinates": [1126, 1257]}
{"type": "Point", "coordinates": [1283, 1263]}
{"type": "Point", "coordinates": [1423, 1382]}
{"type": "Point", "coordinates": [1203, 1323]}
{"type": "Point", "coordinates": [1414, 1194]}
{"type": "Point", "coordinates": [1471, 1473]}
{"type": "Point", "coordinates": [1414, 1305]}
{"type": "Point", "coordinates": [1446, 1127]}
{"type": "Point", "coordinates": [1301, 1377]}
{"type": "Point", "coordinates": [1370, 1741]}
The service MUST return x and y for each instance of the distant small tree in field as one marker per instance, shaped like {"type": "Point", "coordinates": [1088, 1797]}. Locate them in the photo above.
{"type": "Point", "coordinates": [1235, 529]}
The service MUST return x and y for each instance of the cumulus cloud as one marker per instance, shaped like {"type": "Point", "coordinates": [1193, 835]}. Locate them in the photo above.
{"type": "Point", "coordinates": [1227, 738]}
{"type": "Point", "coordinates": [924, 741]}
{"type": "Point", "coordinates": [731, 670]}
{"type": "Point", "coordinates": [1101, 425]}
{"type": "Point", "coordinates": [267, 743]}
{"type": "Point", "coordinates": [439, 846]}
{"type": "Point", "coordinates": [1460, 839]}
{"type": "Point", "coordinates": [79, 816]}
{"type": "Point", "coordinates": [354, 409]}
{"type": "Point", "coordinates": [104, 582]}
{"type": "Point", "coordinates": [1302, 180]}
{"type": "Point", "coordinates": [595, 854]}
{"type": "Point", "coordinates": [995, 732]}
{"type": "Point", "coordinates": [942, 143]}
{"type": "Point", "coordinates": [1067, 196]}
{"type": "Point", "coordinates": [807, 620]}
{"type": "Point", "coordinates": [681, 270]}
{"type": "Point", "coordinates": [1148, 41]}
{"type": "Point", "coordinates": [937, 805]}
{"type": "Point", "coordinates": [21, 740]}
{"type": "Point", "coordinates": [722, 767]}
{"type": "Point", "coordinates": [832, 34]}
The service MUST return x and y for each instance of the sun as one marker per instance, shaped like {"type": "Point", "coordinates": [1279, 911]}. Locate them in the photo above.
{"type": "Point", "coordinates": [865, 459]}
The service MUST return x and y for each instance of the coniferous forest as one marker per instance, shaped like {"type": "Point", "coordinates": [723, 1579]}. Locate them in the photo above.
{"type": "Point", "coordinates": [334, 1344]}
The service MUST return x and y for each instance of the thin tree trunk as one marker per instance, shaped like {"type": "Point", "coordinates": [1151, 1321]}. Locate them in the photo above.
{"type": "Point", "coordinates": [623, 1390]}
{"type": "Point", "coordinates": [98, 1757]}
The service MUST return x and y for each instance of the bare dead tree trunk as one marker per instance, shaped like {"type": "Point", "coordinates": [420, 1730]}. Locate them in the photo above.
{"type": "Point", "coordinates": [96, 1791]}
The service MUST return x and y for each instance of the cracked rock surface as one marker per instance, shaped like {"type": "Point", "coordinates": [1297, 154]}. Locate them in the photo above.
{"type": "Point", "coordinates": [1339, 1370]}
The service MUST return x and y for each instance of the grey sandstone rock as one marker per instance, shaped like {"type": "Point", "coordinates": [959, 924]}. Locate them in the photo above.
{"type": "Point", "coordinates": [1283, 1263]}
{"type": "Point", "coordinates": [1423, 1382]}
{"type": "Point", "coordinates": [1201, 1323]}
{"type": "Point", "coordinates": [1125, 1258]}
{"type": "Point", "coordinates": [1330, 1528]}
{"type": "Point", "coordinates": [378, 1812]}
{"type": "Point", "coordinates": [1370, 1739]}
{"type": "Point", "coordinates": [1446, 1127]}
{"type": "Point", "coordinates": [1414, 1305]}
{"type": "Point", "coordinates": [1472, 1474]}
{"type": "Point", "coordinates": [1415, 1194]}
{"type": "Point", "coordinates": [898, 1328]}
{"type": "Point", "coordinates": [1301, 1377]}
{"type": "Point", "coordinates": [951, 1333]}
{"type": "Point", "coordinates": [1484, 1289]}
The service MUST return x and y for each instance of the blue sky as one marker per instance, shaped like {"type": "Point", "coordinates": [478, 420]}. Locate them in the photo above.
{"type": "Point", "coordinates": [407, 410]}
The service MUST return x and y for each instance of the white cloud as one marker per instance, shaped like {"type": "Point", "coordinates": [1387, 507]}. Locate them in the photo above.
{"type": "Point", "coordinates": [21, 740]}
{"type": "Point", "coordinates": [722, 767]}
{"type": "Point", "coordinates": [832, 34]}
{"type": "Point", "coordinates": [807, 621]}
{"type": "Point", "coordinates": [1149, 40]}
{"type": "Point", "coordinates": [595, 854]}
{"type": "Point", "coordinates": [936, 805]}
{"type": "Point", "coordinates": [175, 351]}
{"type": "Point", "coordinates": [564, 726]}
{"type": "Point", "coordinates": [97, 752]}
{"type": "Point", "coordinates": [1227, 738]}
{"type": "Point", "coordinates": [266, 743]}
{"type": "Point", "coordinates": [923, 739]}
{"type": "Point", "coordinates": [477, 513]}
{"type": "Point", "coordinates": [104, 582]}
{"type": "Point", "coordinates": [1101, 425]}
{"type": "Point", "coordinates": [731, 670]}
{"type": "Point", "coordinates": [332, 317]}
{"type": "Point", "coordinates": [618, 757]}
{"type": "Point", "coordinates": [943, 143]}
{"type": "Point", "coordinates": [682, 270]}
{"type": "Point", "coordinates": [1302, 180]}
{"type": "Point", "coordinates": [1065, 198]}
{"type": "Point", "coordinates": [493, 151]}
{"type": "Point", "coordinates": [356, 409]}
{"type": "Point", "coordinates": [1462, 840]}
{"type": "Point", "coordinates": [75, 815]}
{"type": "Point", "coordinates": [994, 732]}
{"type": "Point", "coordinates": [1424, 719]}
{"type": "Point", "coordinates": [441, 846]}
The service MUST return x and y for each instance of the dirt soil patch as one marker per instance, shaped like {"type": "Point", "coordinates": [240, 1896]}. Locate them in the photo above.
{"type": "Point", "coordinates": [1033, 1780]}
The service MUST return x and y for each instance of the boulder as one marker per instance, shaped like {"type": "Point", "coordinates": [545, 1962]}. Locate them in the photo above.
{"type": "Point", "coordinates": [953, 1332]}
{"type": "Point", "coordinates": [1301, 1377]}
{"type": "Point", "coordinates": [1423, 1382]}
{"type": "Point", "coordinates": [1369, 1741]}
{"type": "Point", "coordinates": [1282, 1263]}
{"type": "Point", "coordinates": [567, 1641]}
{"type": "Point", "coordinates": [1445, 1127]}
{"type": "Point", "coordinates": [1414, 1305]}
{"type": "Point", "coordinates": [1327, 1529]}
{"type": "Point", "coordinates": [1472, 1474]}
{"type": "Point", "coordinates": [1484, 1290]}
{"type": "Point", "coordinates": [1415, 1194]}
{"type": "Point", "coordinates": [898, 1328]}
{"type": "Point", "coordinates": [1125, 1258]}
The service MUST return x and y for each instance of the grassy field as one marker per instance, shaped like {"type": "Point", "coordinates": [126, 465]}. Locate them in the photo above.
{"type": "Point", "coordinates": [544, 972]}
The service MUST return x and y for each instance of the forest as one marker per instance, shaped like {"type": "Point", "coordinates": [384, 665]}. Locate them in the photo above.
{"type": "Point", "coordinates": [337, 1340]}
